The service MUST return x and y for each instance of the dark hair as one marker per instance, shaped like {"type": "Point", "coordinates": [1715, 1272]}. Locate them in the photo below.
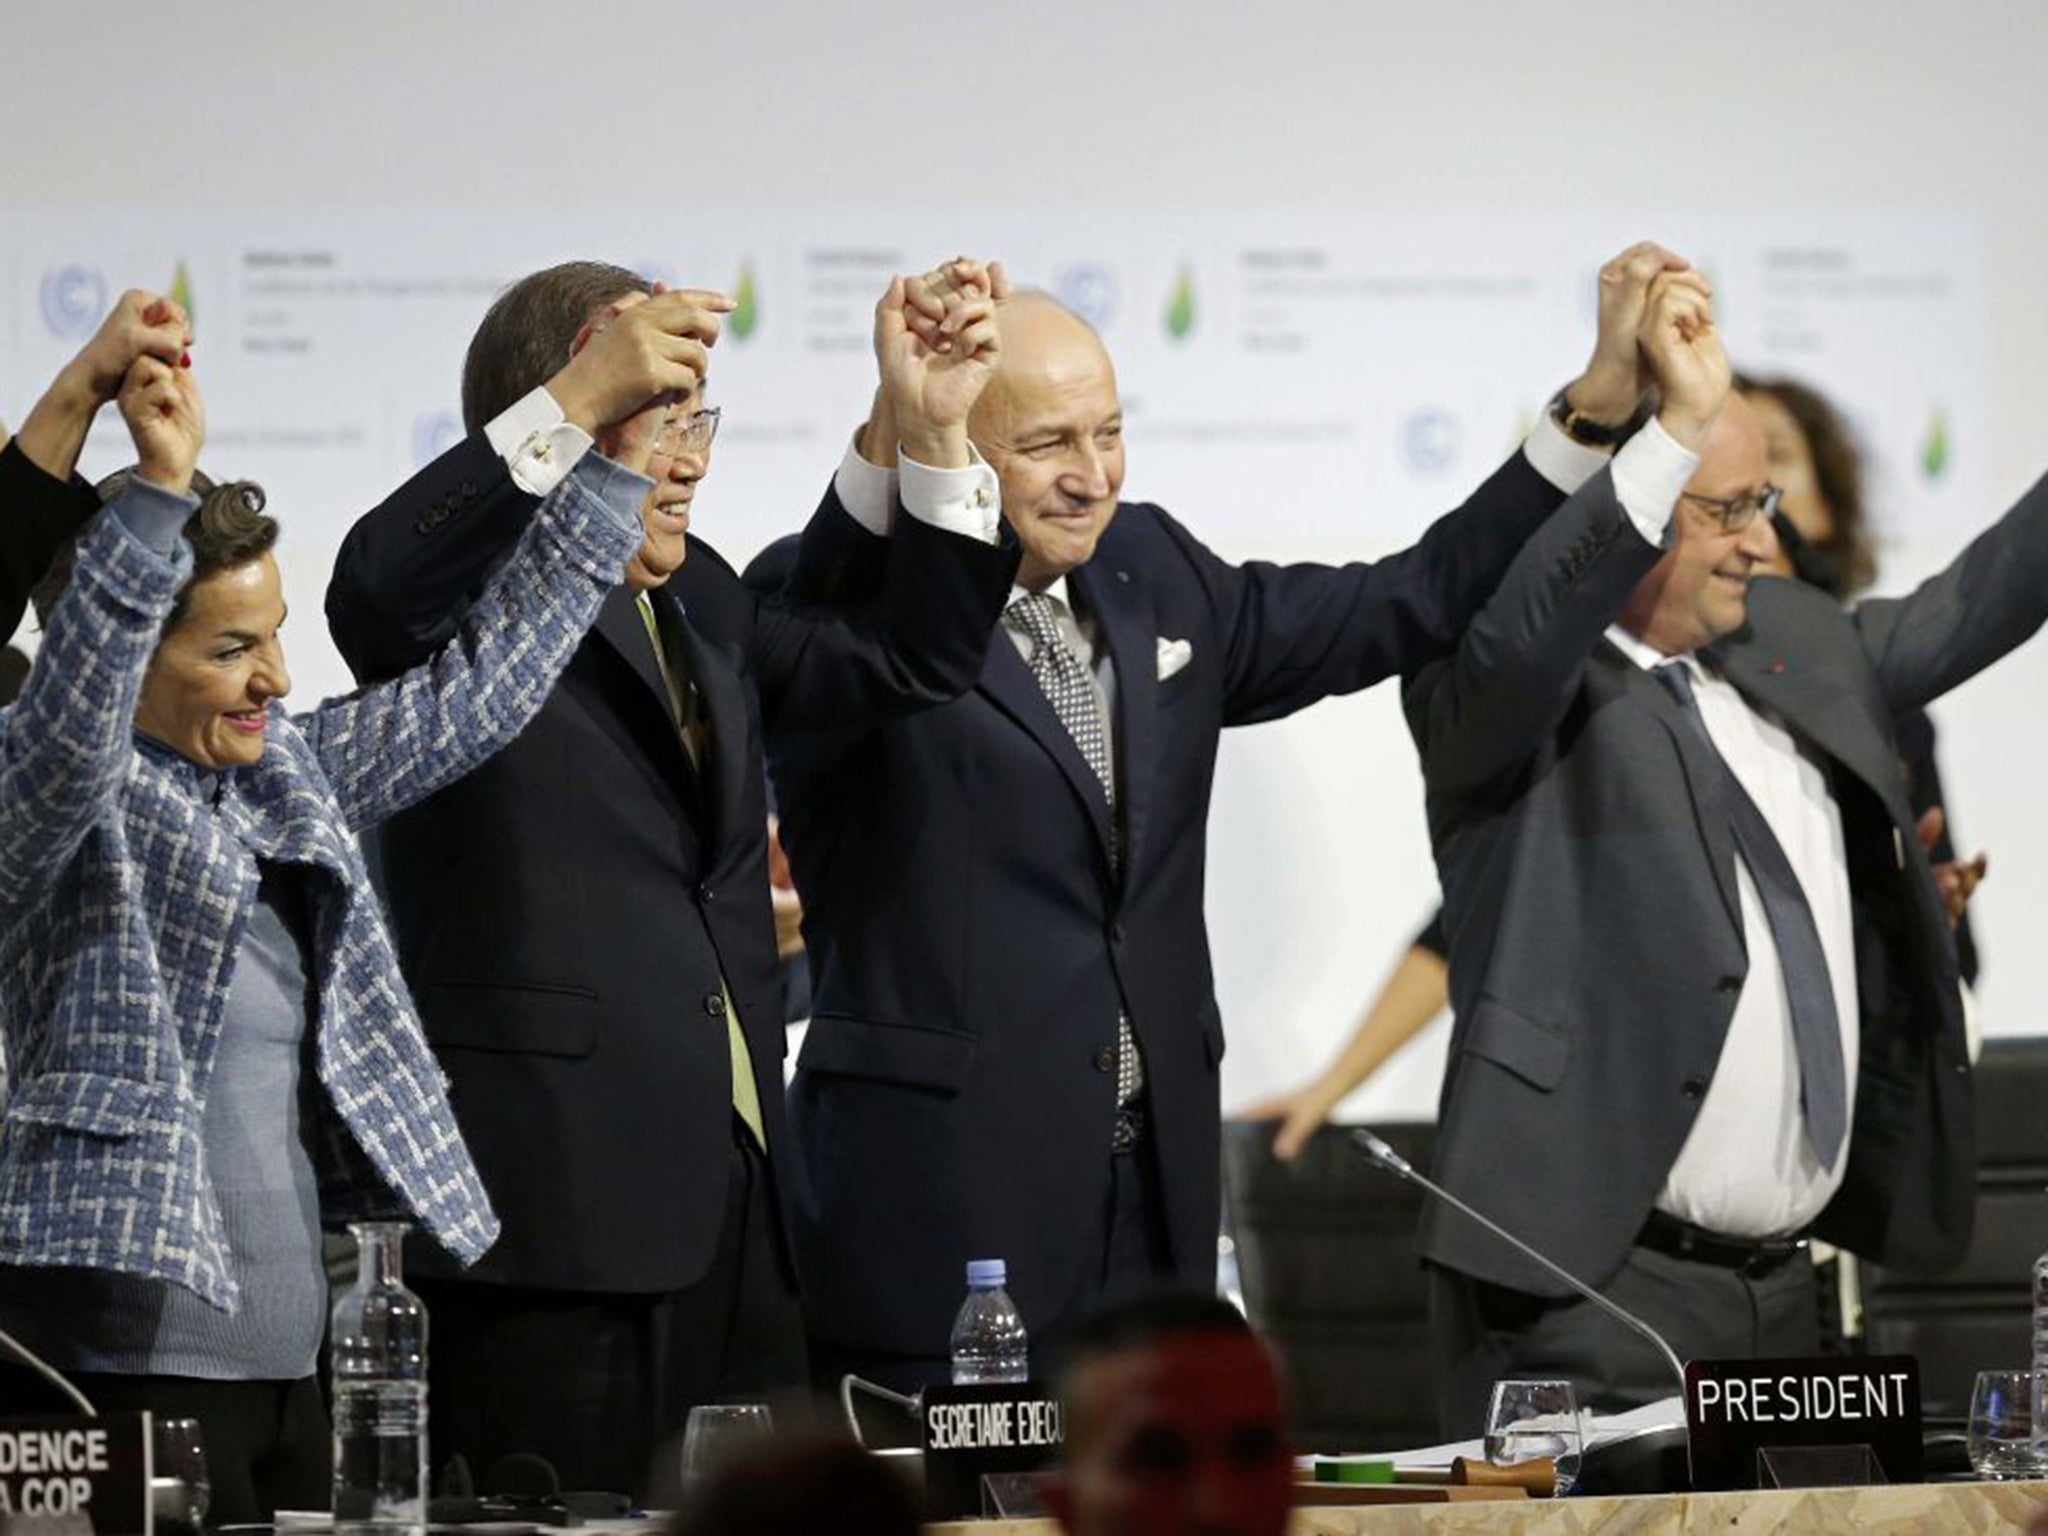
{"type": "Point", "coordinates": [230, 528]}
{"type": "Point", "coordinates": [1155, 1315]}
{"type": "Point", "coordinates": [525, 336]}
{"type": "Point", "coordinates": [1838, 471]}
{"type": "Point", "coordinates": [799, 1484]}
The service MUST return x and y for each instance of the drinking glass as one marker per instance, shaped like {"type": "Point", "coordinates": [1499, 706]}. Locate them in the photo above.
{"type": "Point", "coordinates": [716, 1432]}
{"type": "Point", "coordinates": [2009, 1424]}
{"type": "Point", "coordinates": [1528, 1419]}
{"type": "Point", "coordinates": [179, 1489]}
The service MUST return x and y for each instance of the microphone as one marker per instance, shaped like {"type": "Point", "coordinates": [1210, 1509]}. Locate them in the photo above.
{"type": "Point", "coordinates": [912, 1403]}
{"type": "Point", "coordinates": [1396, 1164]}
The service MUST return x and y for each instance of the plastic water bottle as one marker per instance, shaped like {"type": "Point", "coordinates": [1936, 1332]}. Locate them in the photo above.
{"type": "Point", "coordinates": [2041, 1313]}
{"type": "Point", "coordinates": [989, 1343]}
{"type": "Point", "coordinates": [380, 1394]}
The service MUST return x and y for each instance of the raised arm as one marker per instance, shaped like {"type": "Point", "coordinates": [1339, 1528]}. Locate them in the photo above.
{"type": "Point", "coordinates": [916, 598]}
{"type": "Point", "coordinates": [65, 746]}
{"type": "Point", "coordinates": [394, 743]}
{"type": "Point", "coordinates": [43, 503]}
{"type": "Point", "coordinates": [1483, 712]}
{"type": "Point", "coordinates": [410, 565]}
{"type": "Point", "coordinates": [1300, 632]}
{"type": "Point", "coordinates": [1989, 600]}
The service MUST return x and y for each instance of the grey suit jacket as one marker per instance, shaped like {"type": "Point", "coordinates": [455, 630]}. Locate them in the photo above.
{"type": "Point", "coordinates": [1596, 945]}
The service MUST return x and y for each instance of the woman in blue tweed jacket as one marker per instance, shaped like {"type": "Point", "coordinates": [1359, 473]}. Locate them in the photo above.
{"type": "Point", "coordinates": [212, 1049]}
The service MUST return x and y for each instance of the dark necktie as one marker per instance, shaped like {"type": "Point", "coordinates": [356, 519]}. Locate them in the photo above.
{"type": "Point", "coordinates": [1070, 689]}
{"type": "Point", "coordinates": [1816, 1028]}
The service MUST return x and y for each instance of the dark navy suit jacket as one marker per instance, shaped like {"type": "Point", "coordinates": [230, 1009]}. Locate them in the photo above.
{"type": "Point", "coordinates": [972, 941]}
{"type": "Point", "coordinates": [565, 914]}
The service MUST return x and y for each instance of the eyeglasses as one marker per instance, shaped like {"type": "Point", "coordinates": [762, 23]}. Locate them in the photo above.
{"type": "Point", "coordinates": [1735, 513]}
{"type": "Point", "coordinates": [687, 434]}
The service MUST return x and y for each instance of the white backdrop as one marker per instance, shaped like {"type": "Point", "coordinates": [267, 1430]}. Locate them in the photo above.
{"type": "Point", "coordinates": [1341, 252]}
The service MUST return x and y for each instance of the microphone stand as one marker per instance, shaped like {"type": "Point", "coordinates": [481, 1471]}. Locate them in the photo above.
{"type": "Point", "coordinates": [1396, 1164]}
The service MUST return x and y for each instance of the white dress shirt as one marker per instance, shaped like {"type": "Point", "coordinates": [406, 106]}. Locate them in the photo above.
{"type": "Point", "coordinates": [540, 447]}
{"type": "Point", "coordinates": [1649, 472]}
{"type": "Point", "coordinates": [1747, 1169]}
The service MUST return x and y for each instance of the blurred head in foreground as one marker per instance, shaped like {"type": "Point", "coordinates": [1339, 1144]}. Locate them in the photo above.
{"type": "Point", "coordinates": [1176, 1425]}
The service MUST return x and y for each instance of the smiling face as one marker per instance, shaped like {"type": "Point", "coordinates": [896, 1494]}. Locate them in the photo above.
{"type": "Point", "coordinates": [209, 686]}
{"type": "Point", "coordinates": [665, 514]}
{"type": "Point", "coordinates": [1051, 426]}
{"type": "Point", "coordinates": [1699, 591]}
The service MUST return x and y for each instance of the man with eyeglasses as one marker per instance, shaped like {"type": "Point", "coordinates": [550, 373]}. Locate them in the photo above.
{"type": "Point", "coordinates": [586, 924]}
{"type": "Point", "coordinates": [1015, 1043]}
{"type": "Point", "coordinates": [1704, 985]}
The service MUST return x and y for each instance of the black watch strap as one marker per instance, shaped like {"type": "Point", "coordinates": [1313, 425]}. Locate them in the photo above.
{"type": "Point", "coordinates": [1591, 433]}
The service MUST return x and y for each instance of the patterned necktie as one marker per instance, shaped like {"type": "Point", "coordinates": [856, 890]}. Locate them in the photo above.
{"type": "Point", "coordinates": [746, 1098]}
{"type": "Point", "coordinates": [1070, 689]}
{"type": "Point", "coordinates": [1816, 1028]}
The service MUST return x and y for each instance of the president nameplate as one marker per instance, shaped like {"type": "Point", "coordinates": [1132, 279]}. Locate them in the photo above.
{"type": "Point", "coordinates": [1746, 1414]}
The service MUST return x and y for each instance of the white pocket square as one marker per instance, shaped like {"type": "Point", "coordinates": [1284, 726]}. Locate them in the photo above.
{"type": "Point", "coordinates": [1173, 655]}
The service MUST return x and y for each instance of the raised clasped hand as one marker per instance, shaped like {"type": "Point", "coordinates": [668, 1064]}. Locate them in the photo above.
{"type": "Point", "coordinates": [1684, 352]}
{"type": "Point", "coordinates": [166, 419]}
{"type": "Point", "coordinates": [1617, 375]}
{"type": "Point", "coordinates": [638, 350]}
{"type": "Point", "coordinates": [141, 324]}
{"type": "Point", "coordinates": [937, 345]}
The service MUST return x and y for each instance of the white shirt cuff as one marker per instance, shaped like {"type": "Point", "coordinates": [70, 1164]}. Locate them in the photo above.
{"type": "Point", "coordinates": [966, 501]}
{"type": "Point", "coordinates": [867, 491]}
{"type": "Point", "coordinates": [539, 446]}
{"type": "Point", "coordinates": [1649, 472]}
{"type": "Point", "coordinates": [1564, 463]}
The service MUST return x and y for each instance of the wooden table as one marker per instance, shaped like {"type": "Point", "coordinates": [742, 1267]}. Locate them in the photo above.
{"type": "Point", "coordinates": [1919, 1509]}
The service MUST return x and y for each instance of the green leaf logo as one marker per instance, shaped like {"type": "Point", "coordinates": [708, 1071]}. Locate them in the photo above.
{"type": "Point", "coordinates": [746, 312]}
{"type": "Point", "coordinates": [181, 291]}
{"type": "Point", "coordinates": [1935, 452]}
{"type": "Point", "coordinates": [1180, 309]}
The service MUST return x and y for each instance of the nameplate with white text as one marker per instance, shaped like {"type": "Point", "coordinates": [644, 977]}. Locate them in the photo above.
{"type": "Point", "coordinates": [1738, 1410]}
{"type": "Point", "coordinates": [970, 1432]}
{"type": "Point", "coordinates": [71, 1474]}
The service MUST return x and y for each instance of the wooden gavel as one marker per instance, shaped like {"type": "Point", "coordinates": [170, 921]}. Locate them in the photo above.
{"type": "Point", "coordinates": [1537, 1476]}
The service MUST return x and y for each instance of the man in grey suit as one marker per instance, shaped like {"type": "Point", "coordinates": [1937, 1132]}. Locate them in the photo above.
{"type": "Point", "coordinates": [1705, 987]}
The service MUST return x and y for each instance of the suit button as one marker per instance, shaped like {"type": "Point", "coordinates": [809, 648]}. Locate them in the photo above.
{"type": "Point", "coordinates": [705, 893]}
{"type": "Point", "coordinates": [1694, 1088]}
{"type": "Point", "coordinates": [1728, 984]}
{"type": "Point", "coordinates": [1105, 1059]}
{"type": "Point", "coordinates": [1116, 933]}
{"type": "Point", "coordinates": [714, 1004]}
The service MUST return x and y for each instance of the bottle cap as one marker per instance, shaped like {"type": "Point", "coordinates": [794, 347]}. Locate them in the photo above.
{"type": "Point", "coordinates": [984, 1272]}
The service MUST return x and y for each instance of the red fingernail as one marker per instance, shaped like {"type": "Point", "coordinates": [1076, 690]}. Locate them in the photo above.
{"type": "Point", "coordinates": [185, 360]}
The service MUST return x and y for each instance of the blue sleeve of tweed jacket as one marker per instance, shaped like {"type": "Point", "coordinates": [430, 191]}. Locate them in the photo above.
{"type": "Point", "coordinates": [387, 746]}
{"type": "Point", "coordinates": [66, 743]}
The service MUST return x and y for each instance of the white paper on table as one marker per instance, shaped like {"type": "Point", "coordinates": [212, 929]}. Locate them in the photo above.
{"type": "Point", "coordinates": [1599, 1430]}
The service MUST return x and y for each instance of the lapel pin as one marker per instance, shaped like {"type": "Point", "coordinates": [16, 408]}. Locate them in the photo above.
{"type": "Point", "coordinates": [1777, 666]}
{"type": "Point", "coordinates": [1123, 576]}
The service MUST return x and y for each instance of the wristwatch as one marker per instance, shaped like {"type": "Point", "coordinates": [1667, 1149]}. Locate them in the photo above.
{"type": "Point", "coordinates": [1583, 429]}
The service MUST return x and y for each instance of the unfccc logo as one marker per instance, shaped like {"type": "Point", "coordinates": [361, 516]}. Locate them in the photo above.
{"type": "Point", "coordinates": [1429, 438]}
{"type": "Point", "coordinates": [74, 298]}
{"type": "Point", "coordinates": [1089, 290]}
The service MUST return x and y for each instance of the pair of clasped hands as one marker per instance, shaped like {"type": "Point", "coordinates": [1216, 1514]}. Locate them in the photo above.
{"type": "Point", "coordinates": [644, 357]}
